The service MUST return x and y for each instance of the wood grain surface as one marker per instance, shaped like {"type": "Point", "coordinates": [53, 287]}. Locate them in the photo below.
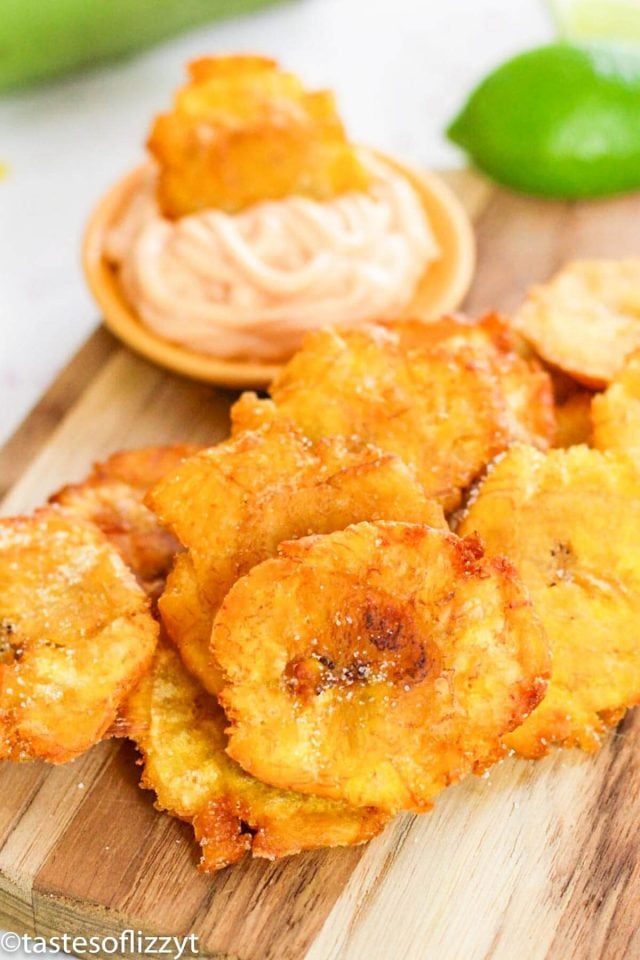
{"type": "Point", "coordinates": [537, 860]}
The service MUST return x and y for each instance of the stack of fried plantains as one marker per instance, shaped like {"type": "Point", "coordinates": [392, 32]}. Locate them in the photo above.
{"type": "Point", "coordinates": [416, 556]}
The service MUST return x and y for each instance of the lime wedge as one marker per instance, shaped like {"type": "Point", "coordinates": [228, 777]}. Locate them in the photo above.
{"type": "Point", "coordinates": [561, 121]}
{"type": "Point", "coordinates": [598, 19]}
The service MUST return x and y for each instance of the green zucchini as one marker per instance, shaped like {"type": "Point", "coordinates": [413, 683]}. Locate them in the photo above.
{"type": "Point", "coordinates": [46, 38]}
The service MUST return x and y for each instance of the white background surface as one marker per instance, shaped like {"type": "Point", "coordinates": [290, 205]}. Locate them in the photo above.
{"type": "Point", "coordinates": [400, 68]}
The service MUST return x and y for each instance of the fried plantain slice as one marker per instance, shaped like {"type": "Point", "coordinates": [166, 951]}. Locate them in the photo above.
{"type": "Point", "coordinates": [111, 497]}
{"type": "Point", "coordinates": [251, 413]}
{"type": "Point", "coordinates": [526, 386]}
{"type": "Point", "coordinates": [142, 467]}
{"type": "Point", "coordinates": [440, 408]}
{"type": "Point", "coordinates": [570, 522]}
{"type": "Point", "coordinates": [616, 412]}
{"type": "Point", "coordinates": [179, 730]}
{"type": "Point", "coordinates": [116, 508]}
{"type": "Point", "coordinates": [573, 420]}
{"type": "Point", "coordinates": [75, 635]}
{"type": "Point", "coordinates": [585, 320]}
{"type": "Point", "coordinates": [187, 617]}
{"type": "Point", "coordinates": [378, 664]}
{"type": "Point", "coordinates": [233, 504]}
{"type": "Point", "coordinates": [242, 131]}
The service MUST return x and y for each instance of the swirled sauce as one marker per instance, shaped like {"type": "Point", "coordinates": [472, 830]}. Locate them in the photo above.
{"type": "Point", "coordinates": [251, 284]}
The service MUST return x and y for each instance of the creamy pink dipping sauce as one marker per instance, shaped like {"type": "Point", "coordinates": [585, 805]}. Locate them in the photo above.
{"type": "Point", "coordinates": [250, 285]}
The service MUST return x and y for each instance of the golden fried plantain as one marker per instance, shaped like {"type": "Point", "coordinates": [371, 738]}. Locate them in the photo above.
{"type": "Point", "coordinates": [233, 504]}
{"type": "Point", "coordinates": [616, 412]}
{"type": "Point", "coordinates": [573, 420]}
{"type": "Point", "coordinates": [242, 131]}
{"type": "Point", "coordinates": [179, 730]}
{"type": "Point", "coordinates": [111, 497]}
{"type": "Point", "coordinates": [529, 399]}
{"type": "Point", "coordinates": [187, 616]}
{"type": "Point", "coordinates": [440, 408]}
{"type": "Point", "coordinates": [75, 635]}
{"type": "Point", "coordinates": [585, 320]}
{"type": "Point", "coordinates": [142, 467]}
{"type": "Point", "coordinates": [526, 387]}
{"type": "Point", "coordinates": [441, 395]}
{"type": "Point", "coordinates": [116, 509]}
{"type": "Point", "coordinates": [570, 522]}
{"type": "Point", "coordinates": [251, 413]}
{"type": "Point", "coordinates": [377, 665]}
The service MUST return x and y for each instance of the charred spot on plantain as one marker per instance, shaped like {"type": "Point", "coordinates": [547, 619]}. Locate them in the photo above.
{"type": "Point", "coordinates": [468, 554]}
{"type": "Point", "coordinates": [530, 696]}
{"type": "Point", "coordinates": [11, 650]}
{"type": "Point", "coordinates": [306, 677]}
{"type": "Point", "coordinates": [393, 631]}
{"type": "Point", "coordinates": [385, 647]}
{"type": "Point", "coordinates": [384, 627]}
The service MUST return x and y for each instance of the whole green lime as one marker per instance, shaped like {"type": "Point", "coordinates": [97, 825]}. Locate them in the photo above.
{"type": "Point", "coordinates": [559, 121]}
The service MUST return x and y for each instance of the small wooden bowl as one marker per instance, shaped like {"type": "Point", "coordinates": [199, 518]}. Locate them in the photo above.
{"type": "Point", "coordinates": [441, 290]}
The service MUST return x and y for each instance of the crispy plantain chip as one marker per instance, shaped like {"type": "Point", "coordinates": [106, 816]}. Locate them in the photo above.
{"type": "Point", "coordinates": [441, 395]}
{"type": "Point", "coordinates": [242, 131]}
{"type": "Point", "coordinates": [116, 508]}
{"type": "Point", "coordinates": [570, 522]}
{"type": "Point", "coordinates": [233, 504]}
{"type": "Point", "coordinates": [616, 412]}
{"type": "Point", "coordinates": [187, 616]}
{"type": "Point", "coordinates": [526, 387]}
{"type": "Point", "coordinates": [586, 319]}
{"type": "Point", "coordinates": [75, 635]}
{"type": "Point", "coordinates": [377, 665]}
{"type": "Point", "coordinates": [111, 497]}
{"type": "Point", "coordinates": [179, 729]}
{"type": "Point", "coordinates": [142, 467]}
{"type": "Point", "coordinates": [440, 408]}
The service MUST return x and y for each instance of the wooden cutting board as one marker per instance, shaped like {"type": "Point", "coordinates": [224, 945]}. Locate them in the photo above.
{"type": "Point", "coordinates": [538, 860]}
